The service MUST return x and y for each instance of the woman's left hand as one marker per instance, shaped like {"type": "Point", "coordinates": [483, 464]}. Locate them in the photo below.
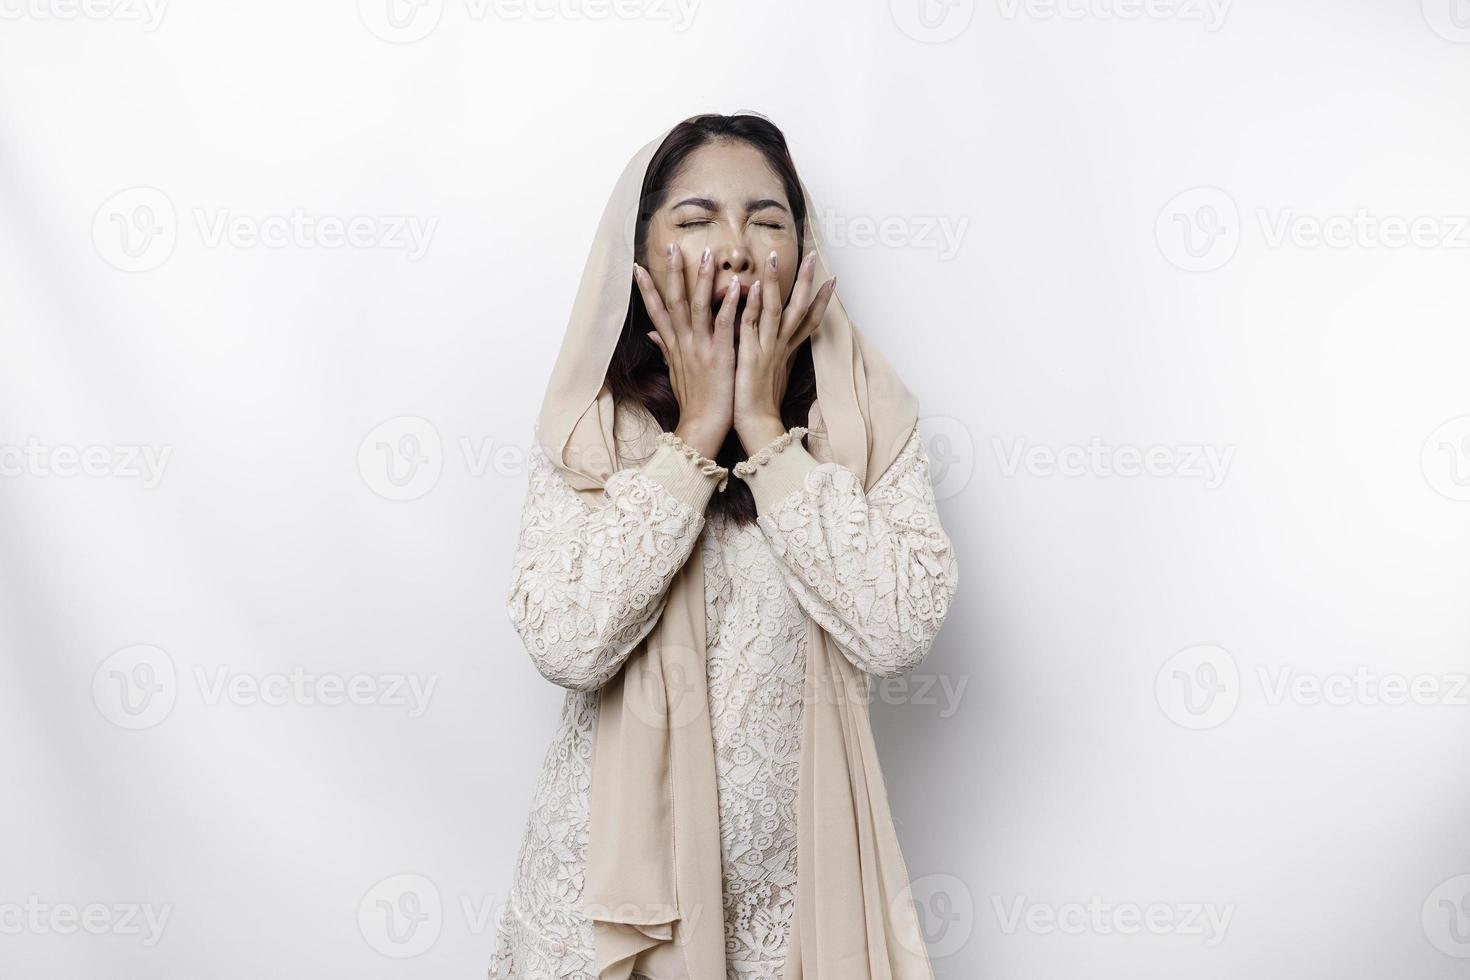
{"type": "Point", "coordinates": [769, 338]}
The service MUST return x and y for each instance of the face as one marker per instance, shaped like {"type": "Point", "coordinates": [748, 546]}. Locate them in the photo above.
{"type": "Point", "coordinates": [726, 198]}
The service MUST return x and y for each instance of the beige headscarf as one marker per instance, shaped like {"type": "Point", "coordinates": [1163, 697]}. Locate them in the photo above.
{"type": "Point", "coordinates": [653, 883]}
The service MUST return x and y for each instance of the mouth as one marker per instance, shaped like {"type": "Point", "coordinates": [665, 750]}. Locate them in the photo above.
{"type": "Point", "coordinates": [744, 289]}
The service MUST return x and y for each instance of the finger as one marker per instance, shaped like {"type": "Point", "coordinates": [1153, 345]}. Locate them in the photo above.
{"type": "Point", "coordinates": [674, 298]}
{"type": "Point", "coordinates": [724, 326]}
{"type": "Point", "coordinates": [704, 287]}
{"type": "Point", "coordinates": [801, 292]}
{"type": "Point", "coordinates": [652, 302]}
{"type": "Point", "coordinates": [770, 322]}
{"type": "Point", "coordinates": [674, 378]}
{"type": "Point", "coordinates": [814, 315]}
{"type": "Point", "coordinates": [750, 319]}
{"type": "Point", "coordinates": [653, 336]}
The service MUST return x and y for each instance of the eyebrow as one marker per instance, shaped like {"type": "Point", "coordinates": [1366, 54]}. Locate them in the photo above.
{"type": "Point", "coordinates": [750, 206]}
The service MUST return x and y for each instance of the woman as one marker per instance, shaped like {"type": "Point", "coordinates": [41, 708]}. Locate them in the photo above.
{"type": "Point", "coordinates": [712, 804]}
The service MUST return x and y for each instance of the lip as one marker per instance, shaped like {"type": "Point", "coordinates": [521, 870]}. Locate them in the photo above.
{"type": "Point", "coordinates": [745, 285]}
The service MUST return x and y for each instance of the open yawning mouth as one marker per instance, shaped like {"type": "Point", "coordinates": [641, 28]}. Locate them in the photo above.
{"type": "Point", "coordinates": [745, 284]}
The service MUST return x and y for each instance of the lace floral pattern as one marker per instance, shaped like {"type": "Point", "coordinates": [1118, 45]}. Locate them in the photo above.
{"type": "Point", "coordinates": [591, 577]}
{"type": "Point", "coordinates": [589, 582]}
{"type": "Point", "coordinates": [757, 663]}
{"type": "Point", "coordinates": [875, 570]}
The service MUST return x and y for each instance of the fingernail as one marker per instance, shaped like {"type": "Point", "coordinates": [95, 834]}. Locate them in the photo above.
{"type": "Point", "coordinates": [671, 250]}
{"type": "Point", "coordinates": [704, 259]}
{"type": "Point", "coordinates": [771, 259]}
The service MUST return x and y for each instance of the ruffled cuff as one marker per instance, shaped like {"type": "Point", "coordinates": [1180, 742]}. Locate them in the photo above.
{"type": "Point", "coordinates": [684, 471]}
{"type": "Point", "coordinates": [777, 469]}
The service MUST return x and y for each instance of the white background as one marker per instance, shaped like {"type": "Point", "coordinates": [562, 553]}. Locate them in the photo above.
{"type": "Point", "coordinates": [1103, 720]}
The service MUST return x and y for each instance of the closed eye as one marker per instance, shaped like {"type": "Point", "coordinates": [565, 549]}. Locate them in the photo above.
{"type": "Point", "coordinates": [705, 221]}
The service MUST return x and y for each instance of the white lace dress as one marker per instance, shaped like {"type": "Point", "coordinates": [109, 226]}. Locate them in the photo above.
{"type": "Point", "coordinates": [875, 570]}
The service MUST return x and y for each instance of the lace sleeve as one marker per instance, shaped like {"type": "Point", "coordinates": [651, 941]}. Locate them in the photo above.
{"type": "Point", "coordinates": [875, 570]}
{"type": "Point", "coordinates": [590, 578]}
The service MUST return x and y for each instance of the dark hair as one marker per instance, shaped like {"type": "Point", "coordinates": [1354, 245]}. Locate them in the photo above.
{"type": "Point", "coordinates": [637, 372]}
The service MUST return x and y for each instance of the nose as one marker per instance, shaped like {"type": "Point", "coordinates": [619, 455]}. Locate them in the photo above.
{"type": "Point", "coordinates": [733, 258]}
{"type": "Point", "coordinates": [737, 261]}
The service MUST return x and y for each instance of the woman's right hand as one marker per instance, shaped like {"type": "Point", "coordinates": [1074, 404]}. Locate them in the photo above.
{"type": "Point", "coordinates": [699, 348]}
